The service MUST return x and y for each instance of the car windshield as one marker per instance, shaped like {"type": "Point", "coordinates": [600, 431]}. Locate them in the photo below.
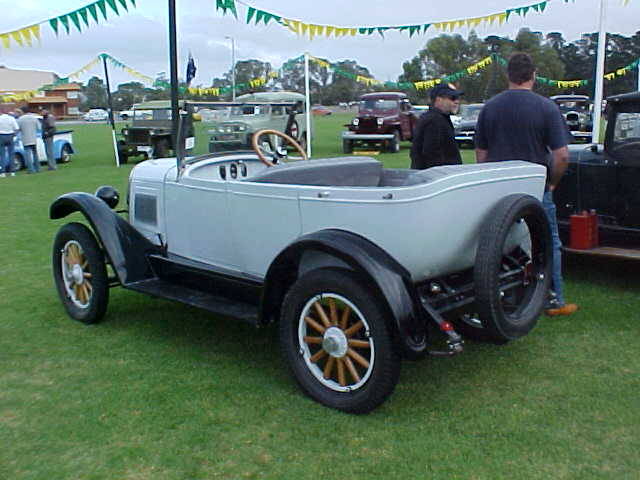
{"type": "Point", "coordinates": [470, 113]}
{"type": "Point", "coordinates": [626, 133]}
{"type": "Point", "coordinates": [249, 110]}
{"type": "Point", "coordinates": [378, 105]}
{"type": "Point", "coordinates": [573, 106]}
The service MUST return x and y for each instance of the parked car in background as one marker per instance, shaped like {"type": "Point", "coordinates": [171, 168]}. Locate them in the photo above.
{"type": "Point", "coordinates": [465, 127]}
{"type": "Point", "coordinates": [419, 109]}
{"type": "Point", "coordinates": [96, 115]}
{"type": "Point", "coordinates": [62, 148]}
{"type": "Point", "coordinates": [320, 110]}
{"type": "Point", "coordinates": [280, 111]}
{"type": "Point", "coordinates": [383, 120]}
{"type": "Point", "coordinates": [577, 111]}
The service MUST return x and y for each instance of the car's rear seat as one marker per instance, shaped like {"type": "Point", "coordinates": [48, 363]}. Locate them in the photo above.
{"type": "Point", "coordinates": [337, 172]}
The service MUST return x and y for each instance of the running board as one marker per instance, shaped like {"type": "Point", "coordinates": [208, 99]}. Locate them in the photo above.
{"type": "Point", "coordinates": [607, 252]}
{"type": "Point", "coordinates": [213, 303]}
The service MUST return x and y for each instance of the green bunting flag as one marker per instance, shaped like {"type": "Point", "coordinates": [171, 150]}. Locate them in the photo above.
{"type": "Point", "coordinates": [225, 5]}
{"type": "Point", "coordinates": [81, 15]}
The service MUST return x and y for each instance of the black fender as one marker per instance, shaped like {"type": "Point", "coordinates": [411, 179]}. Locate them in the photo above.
{"type": "Point", "coordinates": [126, 248]}
{"type": "Point", "coordinates": [390, 281]}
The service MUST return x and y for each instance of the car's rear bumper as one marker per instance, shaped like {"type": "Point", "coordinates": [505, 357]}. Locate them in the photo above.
{"type": "Point", "coordinates": [366, 136]}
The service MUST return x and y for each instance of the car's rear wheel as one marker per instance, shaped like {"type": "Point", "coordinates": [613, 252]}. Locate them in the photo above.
{"type": "Point", "coordinates": [336, 342]}
{"type": "Point", "coordinates": [65, 154]}
{"type": "Point", "coordinates": [80, 273]}
{"type": "Point", "coordinates": [513, 269]}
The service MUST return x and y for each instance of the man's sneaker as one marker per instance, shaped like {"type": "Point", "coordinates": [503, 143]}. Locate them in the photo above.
{"type": "Point", "coordinates": [566, 309]}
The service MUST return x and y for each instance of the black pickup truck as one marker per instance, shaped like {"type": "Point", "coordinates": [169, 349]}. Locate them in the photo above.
{"type": "Point", "coordinates": [606, 178]}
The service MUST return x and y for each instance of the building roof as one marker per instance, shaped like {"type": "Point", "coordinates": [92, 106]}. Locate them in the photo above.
{"type": "Point", "coordinates": [24, 80]}
{"type": "Point", "coordinates": [67, 86]}
{"type": "Point", "coordinates": [51, 99]}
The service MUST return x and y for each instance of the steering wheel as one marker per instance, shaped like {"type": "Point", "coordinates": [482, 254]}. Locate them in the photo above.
{"type": "Point", "coordinates": [277, 154]}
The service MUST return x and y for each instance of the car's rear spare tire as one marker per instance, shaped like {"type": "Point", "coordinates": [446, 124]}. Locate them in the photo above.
{"type": "Point", "coordinates": [336, 342]}
{"type": "Point", "coordinates": [512, 272]}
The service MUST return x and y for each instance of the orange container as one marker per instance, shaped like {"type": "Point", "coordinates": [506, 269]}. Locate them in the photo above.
{"type": "Point", "coordinates": [584, 230]}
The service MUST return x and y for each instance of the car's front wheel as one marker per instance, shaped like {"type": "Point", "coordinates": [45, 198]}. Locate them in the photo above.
{"type": "Point", "coordinates": [80, 273]}
{"type": "Point", "coordinates": [394, 143]}
{"type": "Point", "coordinates": [336, 342]}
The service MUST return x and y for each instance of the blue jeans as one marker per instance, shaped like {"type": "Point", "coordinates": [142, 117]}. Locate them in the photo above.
{"type": "Point", "coordinates": [556, 268]}
{"type": "Point", "coordinates": [31, 159]}
{"type": "Point", "coordinates": [6, 152]}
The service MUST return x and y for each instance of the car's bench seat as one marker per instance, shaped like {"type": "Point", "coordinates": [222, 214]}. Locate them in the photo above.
{"type": "Point", "coordinates": [336, 172]}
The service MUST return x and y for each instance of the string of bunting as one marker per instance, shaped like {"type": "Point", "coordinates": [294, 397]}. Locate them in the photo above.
{"type": "Point", "coordinates": [24, 96]}
{"type": "Point", "coordinates": [257, 17]}
{"type": "Point", "coordinates": [79, 19]}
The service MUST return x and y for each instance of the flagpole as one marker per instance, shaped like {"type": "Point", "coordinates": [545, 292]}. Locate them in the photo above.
{"type": "Point", "coordinates": [597, 100]}
{"type": "Point", "coordinates": [173, 61]}
{"type": "Point", "coordinates": [110, 110]}
{"type": "Point", "coordinates": [308, 107]}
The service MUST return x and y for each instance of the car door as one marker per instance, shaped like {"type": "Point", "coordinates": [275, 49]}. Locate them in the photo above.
{"type": "Point", "coordinates": [624, 152]}
{"type": "Point", "coordinates": [197, 217]}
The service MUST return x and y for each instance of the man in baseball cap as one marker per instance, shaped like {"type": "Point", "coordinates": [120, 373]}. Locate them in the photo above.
{"type": "Point", "coordinates": [434, 138]}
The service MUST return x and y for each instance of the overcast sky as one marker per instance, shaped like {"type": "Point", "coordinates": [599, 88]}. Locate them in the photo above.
{"type": "Point", "coordinates": [139, 38]}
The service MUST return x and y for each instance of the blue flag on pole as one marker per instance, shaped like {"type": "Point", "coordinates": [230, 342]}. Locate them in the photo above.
{"type": "Point", "coordinates": [191, 69]}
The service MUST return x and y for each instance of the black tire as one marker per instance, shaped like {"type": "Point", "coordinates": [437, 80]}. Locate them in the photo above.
{"type": "Point", "coordinates": [294, 130]}
{"type": "Point", "coordinates": [161, 149]}
{"type": "Point", "coordinates": [347, 146]}
{"type": "Point", "coordinates": [124, 158]}
{"type": "Point", "coordinates": [394, 143]}
{"type": "Point", "coordinates": [511, 313]}
{"type": "Point", "coordinates": [302, 141]}
{"type": "Point", "coordinates": [82, 281]}
{"type": "Point", "coordinates": [65, 154]}
{"type": "Point", "coordinates": [376, 379]}
{"type": "Point", "coordinates": [17, 162]}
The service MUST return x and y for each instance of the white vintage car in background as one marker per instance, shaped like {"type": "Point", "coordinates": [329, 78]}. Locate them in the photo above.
{"type": "Point", "coordinates": [360, 265]}
{"type": "Point", "coordinates": [96, 115]}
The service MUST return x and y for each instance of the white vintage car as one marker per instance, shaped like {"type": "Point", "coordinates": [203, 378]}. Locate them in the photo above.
{"type": "Point", "coordinates": [360, 265]}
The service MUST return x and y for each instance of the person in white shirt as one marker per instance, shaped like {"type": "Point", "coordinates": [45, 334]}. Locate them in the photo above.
{"type": "Point", "coordinates": [28, 124]}
{"type": "Point", "coordinates": [8, 129]}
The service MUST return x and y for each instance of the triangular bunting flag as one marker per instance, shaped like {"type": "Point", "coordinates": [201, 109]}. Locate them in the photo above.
{"type": "Point", "coordinates": [26, 35]}
{"type": "Point", "coordinates": [425, 26]}
{"type": "Point", "coordinates": [35, 31]}
{"type": "Point", "coordinates": [54, 24]}
{"type": "Point", "coordinates": [124, 4]}
{"type": "Point", "coordinates": [250, 12]}
{"type": "Point", "coordinates": [542, 6]}
{"type": "Point", "coordinates": [65, 22]}
{"type": "Point", "coordinates": [76, 21]}
{"type": "Point", "coordinates": [103, 7]}
{"type": "Point", "coordinates": [17, 37]}
{"type": "Point", "coordinates": [328, 30]}
{"type": "Point", "coordinates": [84, 16]}
{"type": "Point", "coordinates": [93, 12]}
{"type": "Point", "coordinates": [535, 7]}
{"type": "Point", "coordinates": [259, 15]}
{"type": "Point", "coordinates": [304, 27]}
{"type": "Point", "coordinates": [114, 7]}
{"type": "Point", "coordinates": [502, 17]}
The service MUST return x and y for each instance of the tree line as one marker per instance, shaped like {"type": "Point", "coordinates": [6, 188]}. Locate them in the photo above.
{"type": "Point", "coordinates": [555, 58]}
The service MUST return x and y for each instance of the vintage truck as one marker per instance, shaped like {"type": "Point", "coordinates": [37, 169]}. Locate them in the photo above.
{"type": "Point", "coordinates": [383, 120]}
{"type": "Point", "coordinates": [604, 178]}
{"type": "Point", "coordinates": [577, 111]}
{"type": "Point", "coordinates": [150, 133]}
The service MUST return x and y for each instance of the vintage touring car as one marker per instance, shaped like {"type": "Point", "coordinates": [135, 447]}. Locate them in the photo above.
{"type": "Point", "coordinates": [360, 265]}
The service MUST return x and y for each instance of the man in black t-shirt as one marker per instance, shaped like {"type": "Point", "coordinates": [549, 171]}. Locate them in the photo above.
{"type": "Point", "coordinates": [433, 137]}
{"type": "Point", "coordinates": [518, 124]}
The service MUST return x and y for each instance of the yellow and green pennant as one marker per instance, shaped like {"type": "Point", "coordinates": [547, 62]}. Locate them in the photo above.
{"type": "Point", "coordinates": [299, 27]}
{"type": "Point", "coordinates": [79, 19]}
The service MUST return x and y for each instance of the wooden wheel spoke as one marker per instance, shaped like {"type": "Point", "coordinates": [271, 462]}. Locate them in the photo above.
{"type": "Point", "coordinates": [76, 290]}
{"type": "Point", "coordinates": [328, 368]}
{"type": "Point", "coordinates": [85, 291]}
{"type": "Point", "coordinates": [88, 285]}
{"type": "Point", "coordinates": [76, 252]}
{"type": "Point", "coordinates": [358, 358]}
{"type": "Point", "coordinates": [333, 312]}
{"type": "Point", "coordinates": [353, 329]}
{"type": "Point", "coordinates": [68, 258]}
{"type": "Point", "coordinates": [341, 377]}
{"type": "Point", "coordinates": [310, 321]}
{"type": "Point", "coordinates": [317, 356]}
{"type": "Point", "coordinates": [315, 340]}
{"type": "Point", "coordinates": [85, 264]}
{"type": "Point", "coordinates": [359, 343]}
{"type": "Point", "coordinates": [352, 369]}
{"type": "Point", "coordinates": [322, 314]}
{"type": "Point", "coordinates": [87, 275]}
{"type": "Point", "coordinates": [346, 313]}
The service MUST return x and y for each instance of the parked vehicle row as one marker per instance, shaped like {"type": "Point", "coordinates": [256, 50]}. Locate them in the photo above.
{"type": "Point", "coordinates": [62, 148]}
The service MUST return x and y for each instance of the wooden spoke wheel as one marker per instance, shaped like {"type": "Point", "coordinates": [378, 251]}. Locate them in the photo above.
{"type": "Point", "coordinates": [335, 340]}
{"type": "Point", "coordinates": [80, 273]}
{"type": "Point", "coordinates": [262, 153]}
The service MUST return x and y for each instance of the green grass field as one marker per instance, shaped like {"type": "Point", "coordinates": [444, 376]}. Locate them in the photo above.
{"type": "Point", "coordinates": [163, 391]}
